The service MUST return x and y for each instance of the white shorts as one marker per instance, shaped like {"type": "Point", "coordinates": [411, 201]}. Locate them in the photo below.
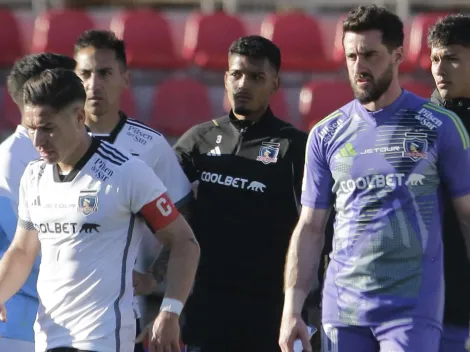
{"type": "Point", "coordinates": [15, 345]}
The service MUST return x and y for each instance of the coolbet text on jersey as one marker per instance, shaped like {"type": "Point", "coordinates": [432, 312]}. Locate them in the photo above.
{"type": "Point", "coordinates": [85, 222]}
{"type": "Point", "coordinates": [385, 169]}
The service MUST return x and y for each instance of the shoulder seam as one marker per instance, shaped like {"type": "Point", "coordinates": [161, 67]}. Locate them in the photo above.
{"type": "Point", "coordinates": [139, 124]}
{"type": "Point", "coordinates": [334, 114]}
{"type": "Point", "coordinates": [455, 119]}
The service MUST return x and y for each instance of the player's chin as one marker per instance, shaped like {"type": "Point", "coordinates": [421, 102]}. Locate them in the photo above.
{"type": "Point", "coordinates": [50, 158]}
{"type": "Point", "coordinates": [242, 109]}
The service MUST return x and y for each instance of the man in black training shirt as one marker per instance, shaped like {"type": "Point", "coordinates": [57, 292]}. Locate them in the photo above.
{"type": "Point", "coordinates": [449, 40]}
{"type": "Point", "coordinates": [249, 165]}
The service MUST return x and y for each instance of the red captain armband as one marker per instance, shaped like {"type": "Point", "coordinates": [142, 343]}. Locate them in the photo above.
{"type": "Point", "coordinates": [160, 212]}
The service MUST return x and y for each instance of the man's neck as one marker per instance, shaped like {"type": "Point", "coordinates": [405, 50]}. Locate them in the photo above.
{"type": "Point", "coordinates": [392, 94]}
{"type": "Point", "coordinates": [102, 124]}
{"type": "Point", "coordinates": [254, 117]}
{"type": "Point", "coordinates": [67, 165]}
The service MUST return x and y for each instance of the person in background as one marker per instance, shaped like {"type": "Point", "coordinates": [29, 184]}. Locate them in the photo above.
{"type": "Point", "coordinates": [449, 40]}
{"type": "Point", "coordinates": [249, 165]}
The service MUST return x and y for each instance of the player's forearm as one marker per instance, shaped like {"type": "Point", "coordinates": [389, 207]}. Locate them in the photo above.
{"type": "Point", "coordinates": [15, 268]}
{"type": "Point", "coordinates": [182, 266]}
{"type": "Point", "coordinates": [302, 263]}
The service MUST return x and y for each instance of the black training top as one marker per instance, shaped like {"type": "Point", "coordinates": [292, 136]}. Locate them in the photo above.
{"type": "Point", "coordinates": [247, 204]}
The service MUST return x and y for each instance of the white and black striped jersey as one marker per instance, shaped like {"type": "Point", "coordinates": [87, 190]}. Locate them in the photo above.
{"type": "Point", "coordinates": [85, 222]}
{"type": "Point", "coordinates": [150, 146]}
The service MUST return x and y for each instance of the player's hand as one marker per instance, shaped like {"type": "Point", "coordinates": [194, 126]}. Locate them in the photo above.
{"type": "Point", "coordinates": [3, 313]}
{"type": "Point", "coordinates": [165, 335]}
{"type": "Point", "coordinates": [144, 284]}
{"type": "Point", "coordinates": [293, 328]}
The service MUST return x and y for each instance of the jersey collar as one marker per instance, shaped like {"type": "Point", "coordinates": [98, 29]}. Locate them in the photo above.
{"type": "Point", "coordinates": [95, 143]}
{"type": "Point", "coordinates": [111, 137]}
{"type": "Point", "coordinates": [241, 124]}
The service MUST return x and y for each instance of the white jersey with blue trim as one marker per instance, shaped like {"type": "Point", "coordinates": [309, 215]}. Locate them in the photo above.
{"type": "Point", "coordinates": [85, 222]}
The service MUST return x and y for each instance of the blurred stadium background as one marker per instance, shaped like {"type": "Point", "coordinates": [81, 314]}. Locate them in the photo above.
{"type": "Point", "coordinates": [177, 50]}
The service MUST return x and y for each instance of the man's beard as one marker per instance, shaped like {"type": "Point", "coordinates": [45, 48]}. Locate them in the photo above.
{"type": "Point", "coordinates": [377, 87]}
{"type": "Point", "coordinates": [242, 110]}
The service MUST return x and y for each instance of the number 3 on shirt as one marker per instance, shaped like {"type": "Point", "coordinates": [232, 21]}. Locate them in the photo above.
{"type": "Point", "coordinates": [159, 213]}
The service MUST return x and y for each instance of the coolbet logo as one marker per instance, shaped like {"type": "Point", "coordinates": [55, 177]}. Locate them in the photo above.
{"type": "Point", "coordinates": [427, 119]}
{"type": "Point", "coordinates": [372, 182]}
{"type": "Point", "coordinates": [230, 181]}
{"type": "Point", "coordinates": [57, 227]}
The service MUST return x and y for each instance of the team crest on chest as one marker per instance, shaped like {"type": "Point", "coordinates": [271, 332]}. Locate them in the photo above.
{"type": "Point", "coordinates": [416, 147]}
{"type": "Point", "coordinates": [268, 153]}
{"type": "Point", "coordinates": [88, 202]}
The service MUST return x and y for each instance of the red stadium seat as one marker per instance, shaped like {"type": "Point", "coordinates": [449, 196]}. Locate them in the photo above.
{"type": "Point", "coordinates": [300, 39]}
{"type": "Point", "coordinates": [11, 48]}
{"type": "Point", "coordinates": [278, 105]}
{"type": "Point", "coordinates": [179, 104]}
{"type": "Point", "coordinates": [318, 99]}
{"type": "Point", "coordinates": [128, 104]}
{"type": "Point", "coordinates": [418, 53]}
{"type": "Point", "coordinates": [205, 44]}
{"type": "Point", "coordinates": [57, 30]}
{"type": "Point", "coordinates": [419, 88]}
{"type": "Point", "coordinates": [149, 39]}
{"type": "Point", "coordinates": [10, 115]}
{"type": "Point", "coordinates": [338, 50]}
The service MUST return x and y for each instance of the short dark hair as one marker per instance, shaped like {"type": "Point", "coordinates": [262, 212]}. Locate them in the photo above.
{"type": "Point", "coordinates": [103, 39]}
{"type": "Point", "coordinates": [257, 47]}
{"type": "Point", "coordinates": [373, 17]}
{"type": "Point", "coordinates": [450, 30]}
{"type": "Point", "coordinates": [56, 88]}
{"type": "Point", "coordinates": [30, 66]}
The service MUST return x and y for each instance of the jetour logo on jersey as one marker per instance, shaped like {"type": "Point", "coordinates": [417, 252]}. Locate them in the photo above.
{"type": "Point", "coordinates": [230, 181]}
{"type": "Point", "coordinates": [88, 202]}
{"type": "Point", "coordinates": [369, 182]}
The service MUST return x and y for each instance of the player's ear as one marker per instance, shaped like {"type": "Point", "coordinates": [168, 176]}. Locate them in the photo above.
{"type": "Point", "coordinates": [226, 80]}
{"type": "Point", "coordinates": [277, 83]}
{"type": "Point", "coordinates": [398, 55]}
{"type": "Point", "coordinates": [127, 79]}
{"type": "Point", "coordinates": [80, 116]}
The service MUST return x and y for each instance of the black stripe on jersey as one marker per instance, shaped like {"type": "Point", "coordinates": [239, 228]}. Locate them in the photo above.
{"type": "Point", "coordinates": [138, 124]}
{"type": "Point", "coordinates": [107, 158]}
{"type": "Point", "coordinates": [112, 152]}
{"type": "Point", "coordinates": [117, 311]}
{"type": "Point", "coordinates": [111, 148]}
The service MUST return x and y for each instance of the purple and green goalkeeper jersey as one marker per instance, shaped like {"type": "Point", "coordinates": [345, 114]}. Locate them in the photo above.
{"type": "Point", "coordinates": [382, 171]}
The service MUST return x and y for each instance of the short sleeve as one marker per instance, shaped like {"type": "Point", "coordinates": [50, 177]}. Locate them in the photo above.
{"type": "Point", "coordinates": [454, 156]}
{"type": "Point", "coordinates": [171, 174]}
{"type": "Point", "coordinates": [23, 210]}
{"type": "Point", "coordinates": [317, 181]}
{"type": "Point", "coordinates": [147, 195]}
{"type": "Point", "coordinates": [143, 186]}
{"type": "Point", "coordinates": [186, 152]}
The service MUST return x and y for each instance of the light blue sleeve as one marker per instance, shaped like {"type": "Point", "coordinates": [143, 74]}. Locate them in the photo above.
{"type": "Point", "coordinates": [8, 219]}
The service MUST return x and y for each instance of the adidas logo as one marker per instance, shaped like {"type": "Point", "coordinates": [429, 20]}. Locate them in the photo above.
{"type": "Point", "coordinates": [215, 152]}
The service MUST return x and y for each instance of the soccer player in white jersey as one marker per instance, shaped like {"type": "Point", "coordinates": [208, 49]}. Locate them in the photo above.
{"type": "Point", "coordinates": [78, 205]}
{"type": "Point", "coordinates": [15, 154]}
{"type": "Point", "coordinates": [102, 66]}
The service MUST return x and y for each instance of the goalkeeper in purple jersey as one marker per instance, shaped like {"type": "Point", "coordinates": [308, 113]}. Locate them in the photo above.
{"type": "Point", "coordinates": [381, 162]}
